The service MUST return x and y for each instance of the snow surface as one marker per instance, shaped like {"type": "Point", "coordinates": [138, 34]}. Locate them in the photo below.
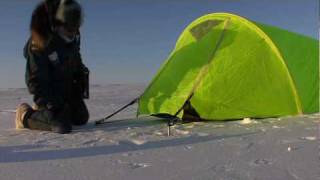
{"type": "Point", "coordinates": [130, 148]}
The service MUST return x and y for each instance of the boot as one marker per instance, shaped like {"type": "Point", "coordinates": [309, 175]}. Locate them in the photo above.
{"type": "Point", "coordinates": [55, 127]}
{"type": "Point", "coordinates": [23, 110]}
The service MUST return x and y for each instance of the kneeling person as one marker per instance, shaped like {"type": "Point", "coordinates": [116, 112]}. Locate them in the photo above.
{"type": "Point", "coordinates": [55, 73]}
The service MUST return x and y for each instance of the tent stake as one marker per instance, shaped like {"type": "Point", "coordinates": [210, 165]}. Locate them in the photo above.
{"type": "Point", "coordinates": [171, 122]}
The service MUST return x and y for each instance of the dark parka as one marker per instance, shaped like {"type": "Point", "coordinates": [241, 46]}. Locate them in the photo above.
{"type": "Point", "coordinates": [54, 75]}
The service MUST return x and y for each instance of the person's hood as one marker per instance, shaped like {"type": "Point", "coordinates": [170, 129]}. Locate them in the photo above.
{"type": "Point", "coordinates": [26, 50]}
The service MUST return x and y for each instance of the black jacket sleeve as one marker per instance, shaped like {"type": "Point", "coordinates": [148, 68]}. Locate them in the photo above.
{"type": "Point", "coordinates": [82, 67]}
{"type": "Point", "coordinates": [82, 73]}
{"type": "Point", "coordinates": [37, 76]}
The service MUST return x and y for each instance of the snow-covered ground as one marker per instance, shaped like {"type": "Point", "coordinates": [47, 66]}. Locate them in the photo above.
{"type": "Point", "coordinates": [130, 148]}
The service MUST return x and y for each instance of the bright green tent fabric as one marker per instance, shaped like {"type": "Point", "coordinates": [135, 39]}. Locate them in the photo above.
{"type": "Point", "coordinates": [231, 68]}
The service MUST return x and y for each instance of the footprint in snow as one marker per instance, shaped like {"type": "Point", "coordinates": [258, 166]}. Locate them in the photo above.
{"type": "Point", "coordinates": [188, 147]}
{"type": "Point", "coordinates": [139, 165]}
{"type": "Point", "coordinates": [277, 127]}
{"type": "Point", "coordinates": [259, 162]}
{"type": "Point", "coordinates": [249, 146]}
{"type": "Point", "coordinates": [158, 133]}
{"type": "Point", "coordinates": [138, 141]}
{"type": "Point", "coordinates": [202, 134]}
{"type": "Point", "coordinates": [134, 165]}
{"type": "Point", "coordinates": [309, 138]}
{"type": "Point", "coordinates": [182, 132]}
{"type": "Point", "coordinates": [127, 154]}
{"type": "Point", "coordinates": [91, 142]}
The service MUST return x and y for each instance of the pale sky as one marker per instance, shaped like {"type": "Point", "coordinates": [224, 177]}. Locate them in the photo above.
{"type": "Point", "coordinates": [126, 41]}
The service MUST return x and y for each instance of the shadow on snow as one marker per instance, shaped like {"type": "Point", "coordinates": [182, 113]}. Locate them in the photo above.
{"type": "Point", "coordinates": [25, 153]}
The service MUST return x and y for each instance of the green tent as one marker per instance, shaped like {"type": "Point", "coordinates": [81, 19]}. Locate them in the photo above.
{"type": "Point", "coordinates": [227, 67]}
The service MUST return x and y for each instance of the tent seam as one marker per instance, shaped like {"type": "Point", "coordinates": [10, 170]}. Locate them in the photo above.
{"type": "Point", "coordinates": [206, 67]}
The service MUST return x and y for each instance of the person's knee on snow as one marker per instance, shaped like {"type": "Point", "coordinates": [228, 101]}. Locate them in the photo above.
{"type": "Point", "coordinates": [79, 113]}
{"type": "Point", "coordinates": [49, 120]}
{"type": "Point", "coordinates": [81, 120]}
